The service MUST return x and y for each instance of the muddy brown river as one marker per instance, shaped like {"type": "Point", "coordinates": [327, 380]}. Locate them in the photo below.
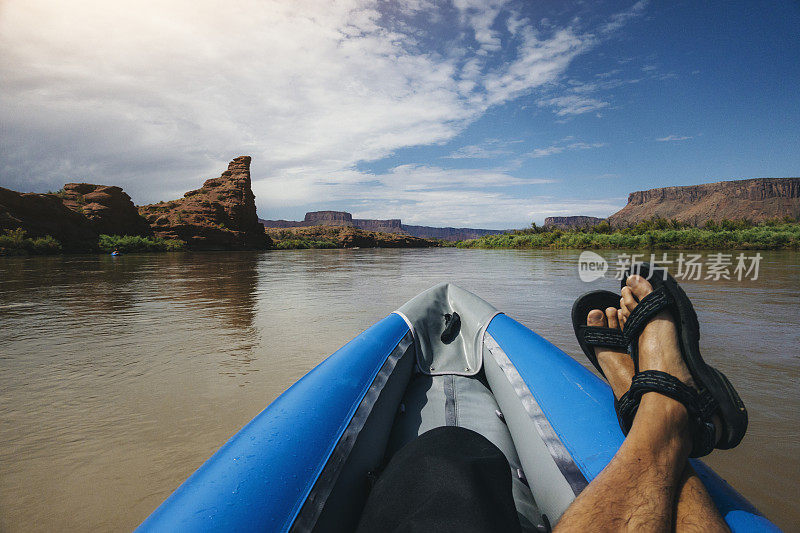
{"type": "Point", "coordinates": [120, 376]}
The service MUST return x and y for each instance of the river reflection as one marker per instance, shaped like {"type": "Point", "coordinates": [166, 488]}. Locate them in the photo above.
{"type": "Point", "coordinates": [120, 376]}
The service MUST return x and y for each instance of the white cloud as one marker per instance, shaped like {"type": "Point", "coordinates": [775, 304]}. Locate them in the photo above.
{"type": "Point", "coordinates": [489, 149]}
{"type": "Point", "coordinates": [475, 151]}
{"type": "Point", "coordinates": [480, 15]}
{"type": "Point", "coordinates": [620, 19]}
{"type": "Point", "coordinates": [573, 104]}
{"type": "Point", "coordinates": [563, 146]}
{"type": "Point", "coordinates": [669, 138]}
{"type": "Point", "coordinates": [154, 94]}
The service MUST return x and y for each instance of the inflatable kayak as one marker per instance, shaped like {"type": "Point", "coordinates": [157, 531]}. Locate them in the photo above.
{"type": "Point", "coordinates": [444, 358]}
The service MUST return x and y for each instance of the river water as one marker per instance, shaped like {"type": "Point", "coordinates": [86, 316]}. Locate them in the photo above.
{"type": "Point", "coordinates": [120, 376]}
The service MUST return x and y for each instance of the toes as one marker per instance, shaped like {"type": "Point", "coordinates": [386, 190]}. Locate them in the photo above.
{"type": "Point", "coordinates": [624, 308]}
{"type": "Point", "coordinates": [639, 287]}
{"type": "Point", "coordinates": [628, 300]}
{"type": "Point", "coordinates": [611, 317]}
{"type": "Point", "coordinates": [596, 318]}
{"type": "Point", "coordinates": [621, 318]}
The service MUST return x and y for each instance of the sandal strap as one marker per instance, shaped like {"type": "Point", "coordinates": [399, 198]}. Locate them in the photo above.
{"type": "Point", "coordinates": [600, 336]}
{"type": "Point", "coordinates": [626, 411]}
{"type": "Point", "coordinates": [648, 307]}
{"type": "Point", "coordinates": [699, 405]}
{"type": "Point", "coordinates": [668, 385]}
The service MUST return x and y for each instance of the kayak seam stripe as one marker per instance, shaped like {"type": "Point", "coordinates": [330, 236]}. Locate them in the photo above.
{"type": "Point", "coordinates": [321, 465]}
{"type": "Point", "coordinates": [312, 507]}
{"type": "Point", "coordinates": [559, 451]}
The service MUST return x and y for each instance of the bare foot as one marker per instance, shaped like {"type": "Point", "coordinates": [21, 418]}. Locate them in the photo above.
{"type": "Point", "coordinates": [659, 350]}
{"type": "Point", "coordinates": [658, 343]}
{"type": "Point", "coordinates": [617, 366]}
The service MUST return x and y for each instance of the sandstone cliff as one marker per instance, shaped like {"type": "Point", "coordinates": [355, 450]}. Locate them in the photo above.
{"type": "Point", "coordinates": [45, 214]}
{"type": "Point", "coordinates": [328, 218]}
{"type": "Point", "coordinates": [392, 225]}
{"type": "Point", "coordinates": [109, 210]}
{"type": "Point", "coordinates": [219, 215]}
{"type": "Point", "coordinates": [754, 199]}
{"type": "Point", "coordinates": [572, 222]}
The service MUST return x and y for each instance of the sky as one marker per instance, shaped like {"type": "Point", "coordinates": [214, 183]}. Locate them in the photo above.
{"type": "Point", "coordinates": [479, 113]}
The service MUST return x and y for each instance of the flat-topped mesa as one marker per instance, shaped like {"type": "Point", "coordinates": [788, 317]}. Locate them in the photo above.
{"type": "Point", "coordinates": [328, 218]}
{"type": "Point", "coordinates": [572, 222]}
{"type": "Point", "coordinates": [756, 199]}
{"type": "Point", "coordinates": [391, 225]}
{"type": "Point", "coordinates": [219, 215]}
{"type": "Point", "coordinates": [108, 208]}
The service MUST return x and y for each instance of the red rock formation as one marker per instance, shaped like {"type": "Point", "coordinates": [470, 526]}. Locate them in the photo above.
{"type": "Point", "coordinates": [572, 222]}
{"type": "Point", "coordinates": [328, 218]}
{"type": "Point", "coordinates": [754, 199]}
{"type": "Point", "coordinates": [448, 233]}
{"type": "Point", "coordinates": [109, 210]}
{"type": "Point", "coordinates": [392, 225]}
{"type": "Point", "coordinates": [45, 214]}
{"type": "Point", "coordinates": [219, 215]}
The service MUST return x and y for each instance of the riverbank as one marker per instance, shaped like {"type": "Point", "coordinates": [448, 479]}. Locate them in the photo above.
{"type": "Point", "coordinates": [343, 237]}
{"type": "Point", "coordinates": [16, 242]}
{"type": "Point", "coordinates": [656, 234]}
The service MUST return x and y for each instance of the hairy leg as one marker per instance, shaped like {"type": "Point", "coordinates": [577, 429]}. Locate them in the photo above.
{"type": "Point", "coordinates": [649, 484]}
{"type": "Point", "coordinates": [637, 490]}
{"type": "Point", "coordinates": [695, 510]}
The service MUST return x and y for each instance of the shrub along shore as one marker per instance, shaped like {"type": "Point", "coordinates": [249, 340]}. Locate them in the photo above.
{"type": "Point", "coordinates": [16, 242]}
{"type": "Point", "coordinates": [783, 234]}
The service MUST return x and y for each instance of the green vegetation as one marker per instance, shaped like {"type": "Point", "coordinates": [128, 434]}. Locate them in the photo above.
{"type": "Point", "coordinates": [135, 243]}
{"type": "Point", "coordinates": [14, 242]}
{"type": "Point", "coordinates": [315, 238]}
{"type": "Point", "coordinates": [653, 234]}
{"type": "Point", "coordinates": [341, 237]}
{"type": "Point", "coordinates": [303, 244]}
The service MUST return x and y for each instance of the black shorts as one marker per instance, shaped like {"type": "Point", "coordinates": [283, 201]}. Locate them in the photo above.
{"type": "Point", "coordinates": [448, 479]}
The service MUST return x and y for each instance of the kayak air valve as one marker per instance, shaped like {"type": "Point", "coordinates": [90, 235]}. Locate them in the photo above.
{"type": "Point", "coordinates": [452, 325]}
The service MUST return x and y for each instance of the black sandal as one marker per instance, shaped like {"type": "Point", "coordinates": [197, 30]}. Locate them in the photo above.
{"type": "Point", "coordinates": [715, 394]}
{"type": "Point", "coordinates": [591, 336]}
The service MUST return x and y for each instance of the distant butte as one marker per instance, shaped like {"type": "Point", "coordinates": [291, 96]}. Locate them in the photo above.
{"type": "Point", "coordinates": [393, 225]}
{"type": "Point", "coordinates": [573, 222]}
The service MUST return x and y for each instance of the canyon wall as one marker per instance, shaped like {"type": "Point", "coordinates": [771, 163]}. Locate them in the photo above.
{"type": "Point", "coordinates": [755, 199]}
{"type": "Point", "coordinates": [572, 222]}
